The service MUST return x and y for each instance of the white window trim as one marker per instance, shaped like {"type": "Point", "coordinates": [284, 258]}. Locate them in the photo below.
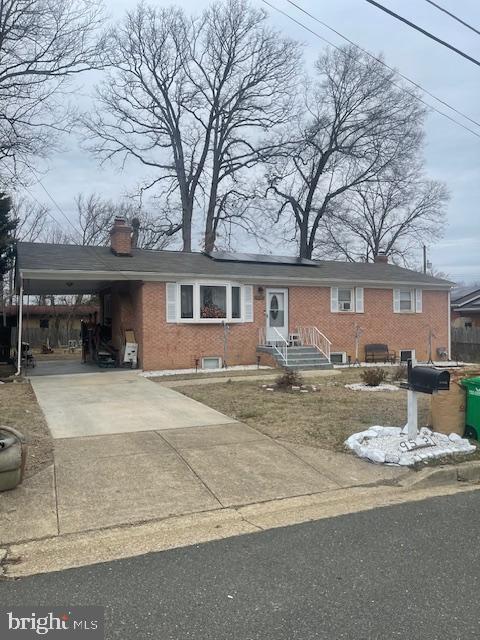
{"type": "Point", "coordinates": [412, 352]}
{"type": "Point", "coordinates": [219, 358]}
{"type": "Point", "coordinates": [356, 300]}
{"type": "Point", "coordinates": [196, 302]}
{"type": "Point", "coordinates": [340, 353]}
{"type": "Point", "coordinates": [416, 303]}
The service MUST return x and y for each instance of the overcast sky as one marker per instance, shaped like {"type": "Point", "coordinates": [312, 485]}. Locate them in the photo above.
{"type": "Point", "coordinates": [452, 153]}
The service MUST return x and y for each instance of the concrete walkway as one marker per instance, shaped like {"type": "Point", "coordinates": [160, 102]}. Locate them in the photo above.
{"type": "Point", "coordinates": [110, 401]}
{"type": "Point", "coordinates": [202, 379]}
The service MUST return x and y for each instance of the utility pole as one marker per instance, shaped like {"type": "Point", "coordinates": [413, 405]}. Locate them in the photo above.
{"type": "Point", "coordinates": [424, 258]}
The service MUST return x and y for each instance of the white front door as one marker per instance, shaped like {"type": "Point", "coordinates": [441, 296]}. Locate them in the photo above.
{"type": "Point", "coordinates": [277, 314]}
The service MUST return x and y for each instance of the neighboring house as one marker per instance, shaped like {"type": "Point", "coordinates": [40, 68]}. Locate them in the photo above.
{"type": "Point", "coordinates": [188, 309]}
{"type": "Point", "coordinates": [465, 306]}
{"type": "Point", "coordinates": [56, 324]}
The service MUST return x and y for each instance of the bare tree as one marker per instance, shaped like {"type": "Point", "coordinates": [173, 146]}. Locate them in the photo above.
{"type": "Point", "coordinates": [358, 121]}
{"type": "Point", "coordinates": [392, 215]}
{"type": "Point", "coordinates": [192, 101]}
{"type": "Point", "coordinates": [32, 219]}
{"type": "Point", "coordinates": [95, 218]}
{"type": "Point", "coordinates": [42, 44]}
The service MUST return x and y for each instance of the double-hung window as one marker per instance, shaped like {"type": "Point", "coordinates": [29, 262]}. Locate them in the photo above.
{"type": "Point", "coordinates": [407, 300]}
{"type": "Point", "coordinates": [346, 299]}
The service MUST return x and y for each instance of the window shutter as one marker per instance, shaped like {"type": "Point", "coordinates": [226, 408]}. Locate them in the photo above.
{"type": "Point", "coordinates": [248, 304]}
{"type": "Point", "coordinates": [396, 300]}
{"type": "Point", "coordinates": [334, 299]}
{"type": "Point", "coordinates": [171, 302]}
{"type": "Point", "coordinates": [418, 301]}
{"type": "Point", "coordinates": [359, 299]}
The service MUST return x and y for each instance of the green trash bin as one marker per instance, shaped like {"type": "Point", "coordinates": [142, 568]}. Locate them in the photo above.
{"type": "Point", "coordinates": [472, 414]}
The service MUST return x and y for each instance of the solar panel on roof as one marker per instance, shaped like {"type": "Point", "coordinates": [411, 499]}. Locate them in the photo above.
{"type": "Point", "coordinates": [258, 258]}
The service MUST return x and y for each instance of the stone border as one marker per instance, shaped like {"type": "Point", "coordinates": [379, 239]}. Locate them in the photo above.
{"type": "Point", "coordinates": [361, 444]}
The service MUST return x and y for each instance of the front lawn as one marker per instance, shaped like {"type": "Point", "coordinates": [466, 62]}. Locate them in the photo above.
{"type": "Point", "coordinates": [324, 418]}
{"type": "Point", "coordinates": [19, 409]}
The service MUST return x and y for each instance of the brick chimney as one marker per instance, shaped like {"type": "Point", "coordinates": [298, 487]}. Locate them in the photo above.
{"type": "Point", "coordinates": [381, 257]}
{"type": "Point", "coordinates": [121, 238]}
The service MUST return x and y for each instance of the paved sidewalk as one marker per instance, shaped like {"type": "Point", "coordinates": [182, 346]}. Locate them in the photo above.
{"type": "Point", "coordinates": [122, 479]}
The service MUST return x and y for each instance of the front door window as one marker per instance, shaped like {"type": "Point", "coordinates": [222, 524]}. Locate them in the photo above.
{"type": "Point", "coordinates": [277, 309]}
{"type": "Point", "coordinates": [277, 314]}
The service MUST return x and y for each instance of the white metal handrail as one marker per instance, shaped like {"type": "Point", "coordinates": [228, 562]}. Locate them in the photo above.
{"type": "Point", "coordinates": [280, 345]}
{"type": "Point", "coordinates": [311, 336]}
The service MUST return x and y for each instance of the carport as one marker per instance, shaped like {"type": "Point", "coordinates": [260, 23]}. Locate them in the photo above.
{"type": "Point", "coordinates": [47, 269]}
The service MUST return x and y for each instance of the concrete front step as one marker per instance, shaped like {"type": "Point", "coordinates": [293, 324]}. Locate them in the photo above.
{"type": "Point", "coordinates": [300, 358]}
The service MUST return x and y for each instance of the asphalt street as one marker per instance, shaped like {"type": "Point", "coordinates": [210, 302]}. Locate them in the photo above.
{"type": "Point", "coordinates": [409, 571]}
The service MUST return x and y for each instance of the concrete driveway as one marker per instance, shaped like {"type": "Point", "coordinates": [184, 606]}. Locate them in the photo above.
{"type": "Point", "coordinates": [111, 402]}
{"type": "Point", "coordinates": [128, 450]}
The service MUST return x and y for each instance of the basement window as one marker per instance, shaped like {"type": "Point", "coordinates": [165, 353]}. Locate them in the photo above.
{"type": "Point", "coordinates": [212, 362]}
{"type": "Point", "coordinates": [406, 355]}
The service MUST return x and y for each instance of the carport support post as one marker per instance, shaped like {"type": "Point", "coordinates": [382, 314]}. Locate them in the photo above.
{"type": "Point", "coordinates": [412, 415]}
{"type": "Point", "coordinates": [20, 327]}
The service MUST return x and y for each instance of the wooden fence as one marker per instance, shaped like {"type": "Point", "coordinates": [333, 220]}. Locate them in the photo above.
{"type": "Point", "coordinates": [466, 343]}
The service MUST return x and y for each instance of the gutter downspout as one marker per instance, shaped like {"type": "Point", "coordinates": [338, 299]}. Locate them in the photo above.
{"type": "Point", "coordinates": [20, 327]}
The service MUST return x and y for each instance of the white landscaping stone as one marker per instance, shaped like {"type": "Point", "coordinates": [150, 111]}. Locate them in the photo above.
{"type": "Point", "coordinates": [454, 437]}
{"type": "Point", "coordinates": [361, 386]}
{"type": "Point", "coordinates": [383, 445]}
{"type": "Point", "coordinates": [174, 372]}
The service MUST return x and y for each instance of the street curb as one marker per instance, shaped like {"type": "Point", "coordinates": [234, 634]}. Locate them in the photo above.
{"type": "Point", "coordinates": [469, 472]}
{"type": "Point", "coordinates": [438, 476]}
{"type": "Point", "coordinates": [427, 478]}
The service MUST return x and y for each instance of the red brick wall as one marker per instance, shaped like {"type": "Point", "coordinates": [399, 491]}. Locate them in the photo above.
{"type": "Point", "coordinates": [127, 312]}
{"type": "Point", "coordinates": [176, 346]}
{"type": "Point", "coordinates": [311, 306]}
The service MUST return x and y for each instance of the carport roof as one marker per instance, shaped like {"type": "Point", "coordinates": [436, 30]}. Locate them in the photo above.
{"type": "Point", "coordinates": [99, 264]}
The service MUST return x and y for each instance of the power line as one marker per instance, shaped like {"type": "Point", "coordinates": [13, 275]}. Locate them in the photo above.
{"type": "Point", "coordinates": [413, 95]}
{"type": "Point", "coordinates": [452, 15]}
{"type": "Point", "coordinates": [415, 84]}
{"type": "Point", "coordinates": [425, 33]}
{"type": "Point", "coordinates": [32, 195]}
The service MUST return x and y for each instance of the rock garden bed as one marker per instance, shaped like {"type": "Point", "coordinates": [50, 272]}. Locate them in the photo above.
{"type": "Point", "coordinates": [391, 445]}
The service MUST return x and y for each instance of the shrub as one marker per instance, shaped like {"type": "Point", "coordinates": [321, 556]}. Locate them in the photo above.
{"type": "Point", "coordinates": [289, 378]}
{"type": "Point", "coordinates": [400, 372]}
{"type": "Point", "coordinates": [374, 376]}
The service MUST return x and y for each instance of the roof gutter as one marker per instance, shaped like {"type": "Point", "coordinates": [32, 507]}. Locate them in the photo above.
{"type": "Point", "coordinates": [149, 276]}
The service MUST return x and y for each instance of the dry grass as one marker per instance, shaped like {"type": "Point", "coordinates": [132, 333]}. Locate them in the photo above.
{"type": "Point", "coordinates": [19, 409]}
{"type": "Point", "coordinates": [323, 418]}
{"type": "Point", "coordinates": [228, 373]}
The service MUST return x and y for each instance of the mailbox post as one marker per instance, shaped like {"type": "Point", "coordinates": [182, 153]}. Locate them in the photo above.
{"type": "Point", "coordinates": [422, 380]}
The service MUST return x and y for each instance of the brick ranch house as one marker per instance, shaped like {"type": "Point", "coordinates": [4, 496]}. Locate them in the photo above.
{"type": "Point", "coordinates": [190, 309]}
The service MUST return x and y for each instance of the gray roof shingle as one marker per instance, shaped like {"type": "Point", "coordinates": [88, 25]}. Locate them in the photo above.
{"type": "Point", "coordinates": [33, 256]}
